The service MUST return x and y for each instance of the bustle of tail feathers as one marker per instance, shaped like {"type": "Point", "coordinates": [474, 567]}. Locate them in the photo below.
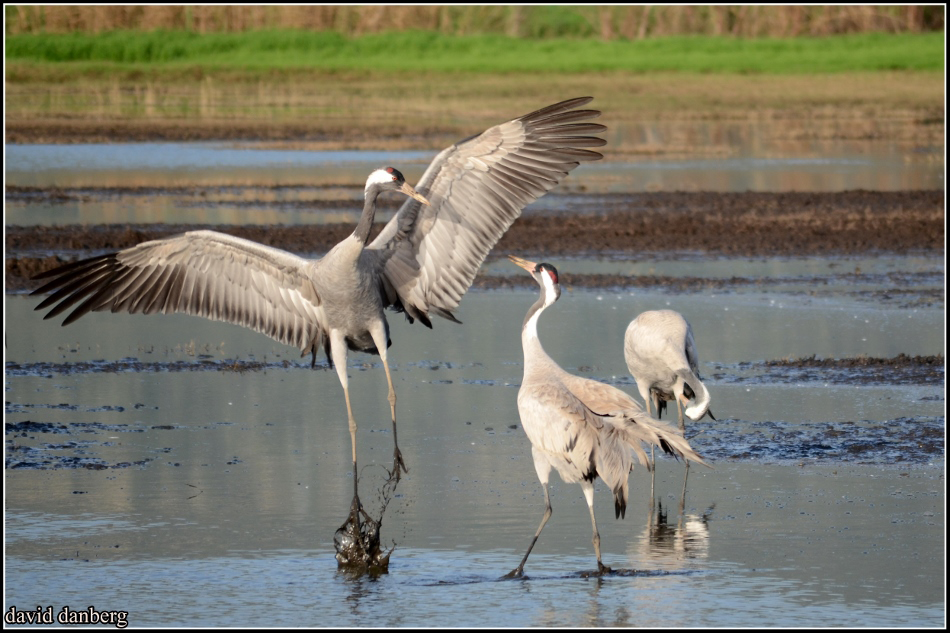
{"type": "Point", "coordinates": [667, 440]}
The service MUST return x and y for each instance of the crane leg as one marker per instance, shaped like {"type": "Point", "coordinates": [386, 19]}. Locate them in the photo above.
{"type": "Point", "coordinates": [652, 472]}
{"type": "Point", "coordinates": [352, 424]}
{"type": "Point", "coordinates": [588, 488]}
{"type": "Point", "coordinates": [682, 401]}
{"type": "Point", "coordinates": [338, 351]}
{"type": "Point", "coordinates": [683, 496]}
{"type": "Point", "coordinates": [656, 407]}
{"type": "Point", "coordinates": [380, 338]}
{"type": "Point", "coordinates": [397, 454]}
{"type": "Point", "coordinates": [519, 571]}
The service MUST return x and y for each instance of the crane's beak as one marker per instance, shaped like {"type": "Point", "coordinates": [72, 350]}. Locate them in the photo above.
{"type": "Point", "coordinates": [412, 193]}
{"type": "Point", "coordinates": [524, 263]}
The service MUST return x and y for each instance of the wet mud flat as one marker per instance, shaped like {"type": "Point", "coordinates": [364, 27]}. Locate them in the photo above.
{"type": "Point", "coordinates": [633, 226]}
{"type": "Point", "coordinates": [900, 370]}
{"type": "Point", "coordinates": [238, 482]}
{"type": "Point", "coordinates": [33, 444]}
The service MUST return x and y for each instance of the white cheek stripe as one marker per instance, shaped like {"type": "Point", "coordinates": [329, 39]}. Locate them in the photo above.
{"type": "Point", "coordinates": [531, 327]}
{"type": "Point", "coordinates": [550, 294]}
{"type": "Point", "coordinates": [379, 177]}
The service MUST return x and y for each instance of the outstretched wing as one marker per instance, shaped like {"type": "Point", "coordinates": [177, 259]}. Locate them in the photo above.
{"type": "Point", "coordinates": [429, 255]}
{"type": "Point", "coordinates": [205, 273]}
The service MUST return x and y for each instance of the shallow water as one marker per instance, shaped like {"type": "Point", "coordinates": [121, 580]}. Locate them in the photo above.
{"type": "Point", "coordinates": [274, 184]}
{"type": "Point", "coordinates": [791, 546]}
{"type": "Point", "coordinates": [216, 163]}
{"type": "Point", "coordinates": [165, 474]}
{"type": "Point", "coordinates": [211, 497]}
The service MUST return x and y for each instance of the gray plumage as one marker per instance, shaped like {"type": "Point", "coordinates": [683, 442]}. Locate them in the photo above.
{"type": "Point", "coordinates": [582, 428]}
{"type": "Point", "coordinates": [660, 351]}
{"type": "Point", "coordinates": [422, 262]}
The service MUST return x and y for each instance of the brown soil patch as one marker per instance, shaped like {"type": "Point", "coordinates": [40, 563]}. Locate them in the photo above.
{"type": "Point", "coordinates": [632, 226]}
{"type": "Point", "coordinates": [324, 136]}
{"type": "Point", "coordinates": [902, 369]}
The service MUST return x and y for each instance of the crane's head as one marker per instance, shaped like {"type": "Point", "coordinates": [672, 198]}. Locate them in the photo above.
{"type": "Point", "coordinates": [546, 276]}
{"type": "Point", "coordinates": [391, 179]}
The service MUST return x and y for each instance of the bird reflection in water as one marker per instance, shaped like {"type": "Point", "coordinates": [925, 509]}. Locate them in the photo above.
{"type": "Point", "coordinates": [674, 542]}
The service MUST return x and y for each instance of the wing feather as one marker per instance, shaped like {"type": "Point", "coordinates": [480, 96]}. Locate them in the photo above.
{"type": "Point", "coordinates": [204, 273]}
{"type": "Point", "coordinates": [429, 255]}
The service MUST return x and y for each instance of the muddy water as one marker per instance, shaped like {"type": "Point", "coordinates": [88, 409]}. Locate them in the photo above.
{"type": "Point", "coordinates": [188, 491]}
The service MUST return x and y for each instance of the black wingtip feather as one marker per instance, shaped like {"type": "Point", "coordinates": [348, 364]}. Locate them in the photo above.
{"type": "Point", "coordinates": [68, 295]}
{"type": "Point", "coordinates": [65, 268]}
{"type": "Point", "coordinates": [558, 107]}
{"type": "Point", "coordinates": [560, 118]}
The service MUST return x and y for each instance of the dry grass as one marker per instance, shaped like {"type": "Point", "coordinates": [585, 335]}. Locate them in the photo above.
{"type": "Point", "coordinates": [606, 22]}
{"type": "Point", "coordinates": [426, 111]}
{"type": "Point", "coordinates": [302, 93]}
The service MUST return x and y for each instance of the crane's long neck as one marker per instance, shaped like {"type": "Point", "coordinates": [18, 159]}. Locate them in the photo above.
{"type": "Point", "coordinates": [369, 214]}
{"type": "Point", "coordinates": [530, 342]}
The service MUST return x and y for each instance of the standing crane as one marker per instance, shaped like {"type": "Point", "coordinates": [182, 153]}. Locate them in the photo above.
{"type": "Point", "coordinates": [421, 263]}
{"type": "Point", "coordinates": [660, 351]}
{"type": "Point", "coordinates": [583, 428]}
{"type": "Point", "coordinates": [661, 355]}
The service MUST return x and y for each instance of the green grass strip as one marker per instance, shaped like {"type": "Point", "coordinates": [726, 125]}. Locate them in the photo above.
{"type": "Point", "coordinates": [426, 51]}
